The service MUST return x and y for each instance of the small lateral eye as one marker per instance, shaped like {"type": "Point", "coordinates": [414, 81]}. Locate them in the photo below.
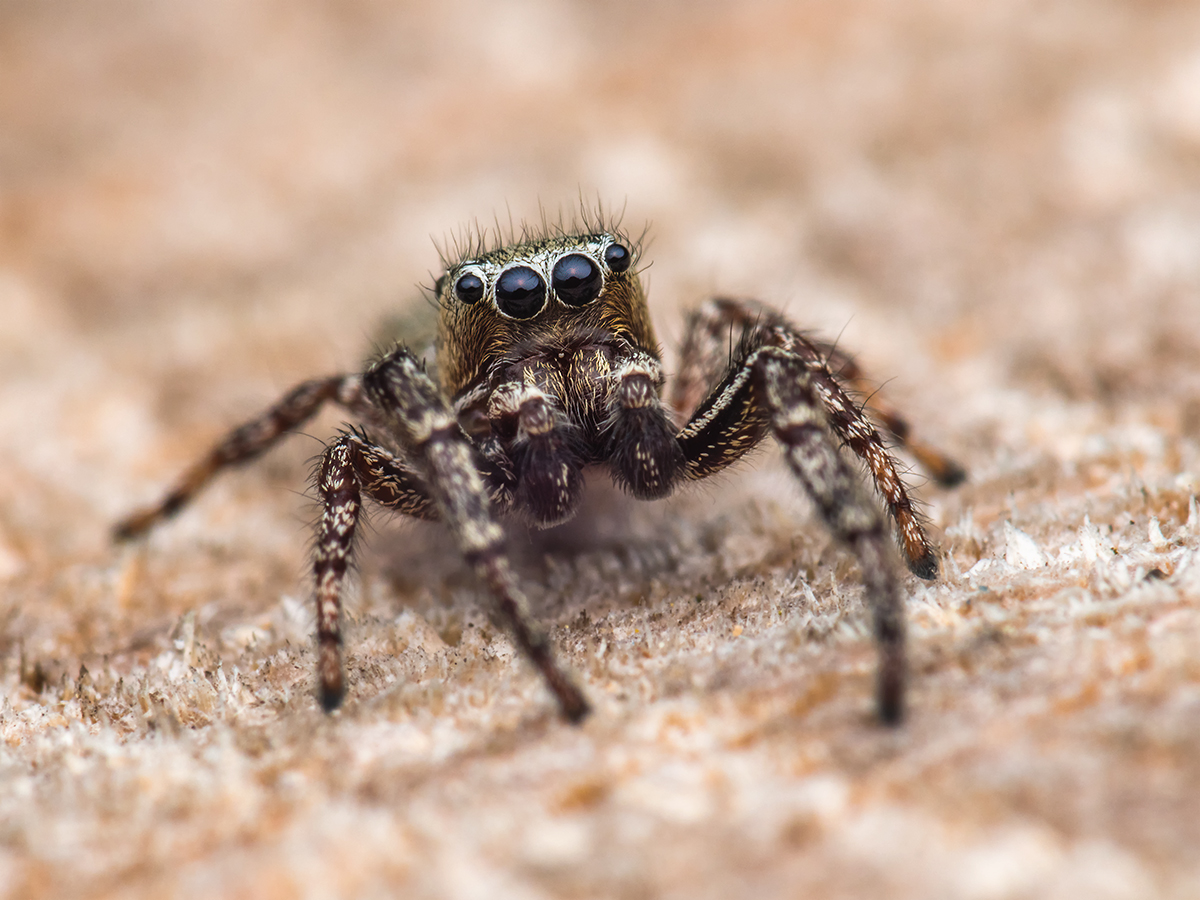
{"type": "Point", "coordinates": [576, 280]}
{"type": "Point", "coordinates": [469, 288]}
{"type": "Point", "coordinates": [617, 257]}
{"type": "Point", "coordinates": [520, 292]}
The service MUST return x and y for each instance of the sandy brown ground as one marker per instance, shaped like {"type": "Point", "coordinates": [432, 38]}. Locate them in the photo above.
{"type": "Point", "coordinates": [996, 204]}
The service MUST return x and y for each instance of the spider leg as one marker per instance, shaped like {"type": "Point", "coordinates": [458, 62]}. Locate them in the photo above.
{"type": "Point", "coordinates": [644, 455]}
{"type": "Point", "coordinates": [751, 326]}
{"type": "Point", "coordinates": [771, 388]}
{"type": "Point", "coordinates": [799, 422]}
{"type": "Point", "coordinates": [247, 442]}
{"type": "Point", "coordinates": [398, 387]}
{"type": "Point", "coordinates": [350, 467]}
{"type": "Point", "coordinates": [945, 471]}
{"type": "Point", "coordinates": [713, 329]}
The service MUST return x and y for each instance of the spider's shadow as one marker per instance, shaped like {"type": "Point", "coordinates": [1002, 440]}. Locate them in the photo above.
{"type": "Point", "coordinates": [610, 550]}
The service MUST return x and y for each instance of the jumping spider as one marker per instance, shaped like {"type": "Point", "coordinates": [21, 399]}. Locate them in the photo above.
{"type": "Point", "coordinates": [546, 364]}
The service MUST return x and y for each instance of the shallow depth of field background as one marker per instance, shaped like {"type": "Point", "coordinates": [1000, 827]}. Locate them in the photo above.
{"type": "Point", "coordinates": [996, 205]}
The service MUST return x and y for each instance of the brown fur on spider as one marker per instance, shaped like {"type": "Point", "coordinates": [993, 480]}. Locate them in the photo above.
{"type": "Point", "coordinates": [547, 363]}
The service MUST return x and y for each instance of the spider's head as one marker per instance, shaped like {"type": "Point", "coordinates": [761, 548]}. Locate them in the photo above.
{"type": "Point", "coordinates": [494, 301]}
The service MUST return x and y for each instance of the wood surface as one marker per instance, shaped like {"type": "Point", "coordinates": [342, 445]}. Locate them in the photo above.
{"type": "Point", "coordinates": [993, 205]}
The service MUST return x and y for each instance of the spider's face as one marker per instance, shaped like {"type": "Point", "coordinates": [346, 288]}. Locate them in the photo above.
{"type": "Point", "coordinates": [546, 289]}
{"type": "Point", "coordinates": [524, 281]}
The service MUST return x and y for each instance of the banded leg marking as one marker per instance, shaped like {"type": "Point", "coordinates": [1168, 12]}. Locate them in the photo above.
{"type": "Point", "coordinates": [863, 438]}
{"type": "Point", "coordinates": [340, 493]}
{"type": "Point", "coordinates": [351, 467]}
{"type": "Point", "coordinates": [401, 389]}
{"type": "Point", "coordinates": [749, 326]}
{"type": "Point", "coordinates": [799, 423]}
{"type": "Point", "coordinates": [945, 471]}
{"type": "Point", "coordinates": [247, 442]}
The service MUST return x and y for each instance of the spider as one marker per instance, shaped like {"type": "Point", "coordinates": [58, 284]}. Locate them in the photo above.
{"type": "Point", "coordinates": [547, 364]}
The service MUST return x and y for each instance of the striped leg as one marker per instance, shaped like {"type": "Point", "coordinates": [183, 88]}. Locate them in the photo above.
{"type": "Point", "coordinates": [341, 494]}
{"type": "Point", "coordinates": [248, 442]}
{"type": "Point", "coordinates": [799, 423]}
{"type": "Point", "coordinates": [726, 327]}
{"type": "Point", "coordinates": [852, 426]}
{"type": "Point", "coordinates": [399, 387]}
{"type": "Point", "coordinates": [350, 467]}
{"type": "Point", "coordinates": [945, 471]}
{"type": "Point", "coordinates": [769, 388]}
{"type": "Point", "coordinates": [713, 332]}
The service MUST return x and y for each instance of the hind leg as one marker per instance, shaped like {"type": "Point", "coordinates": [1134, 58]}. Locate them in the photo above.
{"type": "Point", "coordinates": [248, 442]}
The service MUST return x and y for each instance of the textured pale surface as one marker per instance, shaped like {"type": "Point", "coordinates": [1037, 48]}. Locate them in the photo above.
{"type": "Point", "coordinates": [996, 203]}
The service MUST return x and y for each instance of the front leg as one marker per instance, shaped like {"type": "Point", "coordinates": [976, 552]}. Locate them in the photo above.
{"type": "Point", "coordinates": [721, 336]}
{"type": "Point", "coordinates": [399, 387]}
{"type": "Point", "coordinates": [799, 423]}
{"type": "Point", "coordinates": [769, 388]}
{"type": "Point", "coordinates": [350, 467]}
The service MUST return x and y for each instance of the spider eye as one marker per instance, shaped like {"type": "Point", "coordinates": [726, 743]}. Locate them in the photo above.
{"type": "Point", "coordinates": [576, 280]}
{"type": "Point", "coordinates": [520, 292]}
{"type": "Point", "coordinates": [617, 257]}
{"type": "Point", "coordinates": [469, 288]}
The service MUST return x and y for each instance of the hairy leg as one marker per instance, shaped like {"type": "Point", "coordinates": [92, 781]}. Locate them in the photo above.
{"type": "Point", "coordinates": [644, 455]}
{"type": "Point", "coordinates": [724, 332]}
{"type": "Point", "coordinates": [248, 442]}
{"type": "Point", "coordinates": [944, 470]}
{"type": "Point", "coordinates": [398, 386]}
{"type": "Point", "coordinates": [350, 467]}
{"type": "Point", "coordinates": [798, 421]}
{"type": "Point", "coordinates": [769, 388]}
{"type": "Point", "coordinates": [716, 329]}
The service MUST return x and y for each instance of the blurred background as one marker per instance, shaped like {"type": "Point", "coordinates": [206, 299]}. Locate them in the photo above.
{"type": "Point", "coordinates": [1007, 178]}
{"type": "Point", "coordinates": [995, 204]}
{"type": "Point", "coordinates": [1009, 183]}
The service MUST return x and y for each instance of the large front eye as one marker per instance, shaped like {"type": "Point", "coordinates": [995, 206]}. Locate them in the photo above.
{"type": "Point", "coordinates": [469, 288]}
{"type": "Point", "coordinates": [520, 292]}
{"type": "Point", "coordinates": [576, 280]}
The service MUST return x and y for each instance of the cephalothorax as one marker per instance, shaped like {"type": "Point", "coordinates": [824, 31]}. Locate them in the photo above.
{"type": "Point", "coordinates": [547, 364]}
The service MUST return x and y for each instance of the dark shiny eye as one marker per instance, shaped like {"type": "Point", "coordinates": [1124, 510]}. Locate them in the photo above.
{"type": "Point", "coordinates": [576, 280]}
{"type": "Point", "coordinates": [618, 257]}
{"type": "Point", "coordinates": [520, 292]}
{"type": "Point", "coordinates": [469, 288]}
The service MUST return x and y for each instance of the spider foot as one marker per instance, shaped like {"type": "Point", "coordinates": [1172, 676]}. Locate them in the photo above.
{"type": "Point", "coordinates": [924, 566]}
